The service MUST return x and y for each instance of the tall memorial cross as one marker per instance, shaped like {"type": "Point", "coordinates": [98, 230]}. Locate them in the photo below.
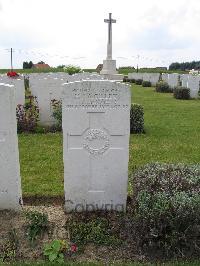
{"type": "Point", "coordinates": [96, 128]}
{"type": "Point", "coordinates": [109, 45]}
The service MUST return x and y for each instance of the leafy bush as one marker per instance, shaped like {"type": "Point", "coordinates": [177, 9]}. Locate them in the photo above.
{"type": "Point", "coordinates": [132, 80]}
{"type": "Point", "coordinates": [182, 93]}
{"type": "Point", "coordinates": [27, 115]}
{"type": "Point", "coordinates": [70, 69]}
{"type": "Point", "coordinates": [56, 250]}
{"type": "Point", "coordinates": [57, 113]}
{"type": "Point", "coordinates": [136, 118]}
{"type": "Point", "coordinates": [37, 224]}
{"type": "Point", "coordinates": [96, 231]}
{"type": "Point", "coordinates": [167, 209]}
{"type": "Point", "coordinates": [125, 79]}
{"type": "Point", "coordinates": [146, 84]}
{"type": "Point", "coordinates": [138, 81]}
{"type": "Point", "coordinates": [163, 86]}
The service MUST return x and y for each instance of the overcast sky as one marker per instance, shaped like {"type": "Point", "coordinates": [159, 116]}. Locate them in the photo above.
{"type": "Point", "coordinates": [147, 32]}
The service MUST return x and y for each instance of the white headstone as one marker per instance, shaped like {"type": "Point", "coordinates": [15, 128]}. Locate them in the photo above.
{"type": "Point", "coordinates": [173, 80]}
{"type": "Point", "coordinates": [165, 77]}
{"type": "Point", "coordinates": [154, 78]}
{"type": "Point", "coordinates": [193, 84]}
{"type": "Point", "coordinates": [96, 128]}
{"type": "Point", "coordinates": [19, 87]}
{"type": "Point", "coordinates": [10, 182]}
{"type": "Point", "coordinates": [184, 79]}
{"type": "Point", "coordinates": [135, 75]}
{"type": "Point", "coordinates": [46, 89]}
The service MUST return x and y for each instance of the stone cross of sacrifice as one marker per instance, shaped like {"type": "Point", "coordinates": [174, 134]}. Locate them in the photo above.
{"type": "Point", "coordinates": [109, 45]}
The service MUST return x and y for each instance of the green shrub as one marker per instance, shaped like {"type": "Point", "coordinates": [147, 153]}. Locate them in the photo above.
{"type": "Point", "coordinates": [37, 224]}
{"type": "Point", "coordinates": [163, 86]}
{"type": "Point", "coordinates": [58, 249]}
{"type": "Point", "coordinates": [182, 93]}
{"type": "Point", "coordinates": [136, 119]}
{"type": "Point", "coordinates": [166, 204]}
{"type": "Point", "coordinates": [92, 230]}
{"type": "Point", "coordinates": [138, 81]}
{"type": "Point", "coordinates": [146, 84]}
{"type": "Point", "coordinates": [57, 113]}
{"type": "Point", "coordinates": [125, 79]}
{"type": "Point", "coordinates": [132, 80]}
{"type": "Point", "coordinates": [70, 69]}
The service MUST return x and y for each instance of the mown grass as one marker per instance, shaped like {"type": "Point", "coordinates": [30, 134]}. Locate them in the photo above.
{"type": "Point", "coordinates": [172, 135]}
{"type": "Point", "coordinates": [41, 164]}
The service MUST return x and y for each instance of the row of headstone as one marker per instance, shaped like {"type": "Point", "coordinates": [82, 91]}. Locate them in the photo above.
{"type": "Point", "coordinates": [185, 80]}
{"type": "Point", "coordinates": [48, 87]}
{"type": "Point", "coordinates": [96, 117]}
{"type": "Point", "coordinates": [152, 77]}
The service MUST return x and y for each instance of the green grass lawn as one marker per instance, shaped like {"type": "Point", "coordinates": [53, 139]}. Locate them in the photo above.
{"type": "Point", "coordinates": [172, 135]}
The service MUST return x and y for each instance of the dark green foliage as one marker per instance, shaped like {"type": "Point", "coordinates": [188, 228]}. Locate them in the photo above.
{"type": "Point", "coordinates": [182, 93]}
{"type": "Point", "coordinates": [136, 119]}
{"type": "Point", "coordinates": [61, 66]}
{"type": "Point", "coordinates": [138, 81]}
{"type": "Point", "coordinates": [185, 65]}
{"type": "Point", "coordinates": [163, 86]}
{"type": "Point", "coordinates": [166, 203]}
{"type": "Point", "coordinates": [125, 79]}
{"type": "Point", "coordinates": [126, 67]}
{"type": "Point", "coordinates": [146, 84]}
{"type": "Point", "coordinates": [41, 62]}
{"type": "Point", "coordinates": [37, 224]}
{"type": "Point", "coordinates": [57, 113]}
{"type": "Point", "coordinates": [27, 65]}
{"type": "Point", "coordinates": [70, 69]}
{"type": "Point", "coordinates": [132, 80]}
{"type": "Point", "coordinates": [97, 231]}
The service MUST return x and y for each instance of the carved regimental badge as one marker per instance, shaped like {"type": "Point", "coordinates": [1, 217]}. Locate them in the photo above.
{"type": "Point", "coordinates": [96, 141]}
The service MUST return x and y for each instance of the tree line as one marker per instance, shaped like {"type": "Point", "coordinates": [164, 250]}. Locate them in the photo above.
{"type": "Point", "coordinates": [185, 66]}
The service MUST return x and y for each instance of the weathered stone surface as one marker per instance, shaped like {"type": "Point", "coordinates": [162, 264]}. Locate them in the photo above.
{"type": "Point", "coordinates": [173, 80]}
{"type": "Point", "coordinates": [47, 87]}
{"type": "Point", "coordinates": [10, 182]}
{"type": "Point", "coordinates": [193, 83]}
{"type": "Point", "coordinates": [96, 126]}
{"type": "Point", "coordinates": [18, 85]}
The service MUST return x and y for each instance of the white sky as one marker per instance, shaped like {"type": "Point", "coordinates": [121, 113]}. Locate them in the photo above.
{"type": "Point", "coordinates": [159, 31]}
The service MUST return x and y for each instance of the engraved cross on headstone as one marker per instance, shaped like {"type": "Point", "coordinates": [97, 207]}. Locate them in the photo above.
{"type": "Point", "coordinates": [97, 141]}
{"type": "Point", "coordinates": [109, 45]}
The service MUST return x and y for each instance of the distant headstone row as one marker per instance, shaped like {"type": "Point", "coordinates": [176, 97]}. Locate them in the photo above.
{"type": "Point", "coordinates": [48, 87]}
{"type": "Point", "coordinates": [96, 128]}
{"type": "Point", "coordinates": [185, 80]}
